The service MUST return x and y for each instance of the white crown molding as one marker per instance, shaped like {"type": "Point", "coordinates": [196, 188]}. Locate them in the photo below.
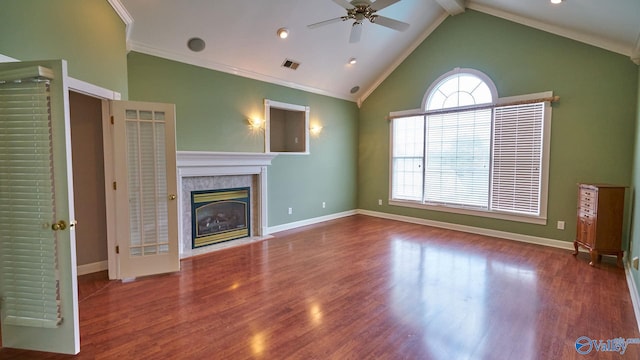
{"type": "Point", "coordinates": [570, 34]}
{"type": "Point", "coordinates": [400, 59]}
{"type": "Point", "coordinates": [635, 57]}
{"type": "Point", "coordinates": [149, 50]}
{"type": "Point", "coordinates": [124, 15]}
{"type": "Point", "coordinates": [453, 7]}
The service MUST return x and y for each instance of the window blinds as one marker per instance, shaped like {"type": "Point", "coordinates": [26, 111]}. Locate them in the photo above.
{"type": "Point", "coordinates": [457, 158]}
{"type": "Point", "coordinates": [29, 278]}
{"type": "Point", "coordinates": [517, 158]}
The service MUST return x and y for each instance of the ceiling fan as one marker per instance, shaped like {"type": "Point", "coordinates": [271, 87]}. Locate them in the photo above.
{"type": "Point", "coordinates": [360, 10]}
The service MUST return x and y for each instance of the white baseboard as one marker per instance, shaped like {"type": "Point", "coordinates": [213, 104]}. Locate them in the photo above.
{"type": "Point", "coordinates": [474, 230]}
{"type": "Point", "coordinates": [297, 224]}
{"type": "Point", "coordinates": [93, 267]}
{"type": "Point", "coordinates": [633, 291]}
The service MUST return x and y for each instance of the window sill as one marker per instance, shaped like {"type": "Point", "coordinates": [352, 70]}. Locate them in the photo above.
{"type": "Point", "coordinates": [538, 220]}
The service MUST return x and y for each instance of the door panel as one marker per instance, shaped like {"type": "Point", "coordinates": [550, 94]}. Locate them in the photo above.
{"type": "Point", "coordinates": [146, 195]}
{"type": "Point", "coordinates": [36, 210]}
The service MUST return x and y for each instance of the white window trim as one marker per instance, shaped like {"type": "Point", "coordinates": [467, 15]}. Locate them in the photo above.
{"type": "Point", "coordinates": [544, 190]}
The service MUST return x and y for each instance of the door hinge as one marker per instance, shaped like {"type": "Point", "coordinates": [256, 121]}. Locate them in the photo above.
{"type": "Point", "coordinates": [117, 249]}
{"type": "Point", "coordinates": [115, 185]}
{"type": "Point", "coordinates": [112, 121]}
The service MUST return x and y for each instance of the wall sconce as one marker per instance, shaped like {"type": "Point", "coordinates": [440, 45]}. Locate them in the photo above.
{"type": "Point", "coordinates": [315, 129]}
{"type": "Point", "coordinates": [255, 124]}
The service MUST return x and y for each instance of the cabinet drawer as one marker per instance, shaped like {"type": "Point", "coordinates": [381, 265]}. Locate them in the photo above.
{"type": "Point", "coordinates": [586, 214]}
{"type": "Point", "coordinates": [588, 201]}
{"type": "Point", "coordinates": [588, 197]}
{"type": "Point", "coordinates": [588, 191]}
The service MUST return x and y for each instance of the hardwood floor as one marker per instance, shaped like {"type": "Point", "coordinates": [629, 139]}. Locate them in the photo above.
{"type": "Point", "coordinates": [360, 288]}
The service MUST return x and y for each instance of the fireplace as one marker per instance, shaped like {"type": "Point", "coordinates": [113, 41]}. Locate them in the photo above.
{"type": "Point", "coordinates": [220, 215]}
{"type": "Point", "coordinates": [200, 170]}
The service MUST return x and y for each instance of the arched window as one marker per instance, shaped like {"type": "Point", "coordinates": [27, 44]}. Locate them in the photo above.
{"type": "Point", "coordinates": [459, 88]}
{"type": "Point", "coordinates": [462, 152]}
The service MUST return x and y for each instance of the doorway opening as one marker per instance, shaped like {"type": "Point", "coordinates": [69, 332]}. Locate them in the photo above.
{"type": "Point", "coordinates": [88, 182]}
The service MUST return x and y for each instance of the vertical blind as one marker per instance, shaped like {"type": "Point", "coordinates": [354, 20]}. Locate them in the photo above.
{"type": "Point", "coordinates": [29, 283]}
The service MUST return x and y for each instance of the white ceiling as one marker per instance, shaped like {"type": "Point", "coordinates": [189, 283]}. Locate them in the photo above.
{"type": "Point", "coordinates": [240, 35]}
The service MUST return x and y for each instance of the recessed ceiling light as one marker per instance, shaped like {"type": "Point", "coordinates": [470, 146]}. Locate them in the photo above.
{"type": "Point", "coordinates": [353, 61]}
{"type": "Point", "coordinates": [355, 89]}
{"type": "Point", "coordinates": [196, 44]}
{"type": "Point", "coordinates": [556, 1]}
{"type": "Point", "coordinates": [283, 33]}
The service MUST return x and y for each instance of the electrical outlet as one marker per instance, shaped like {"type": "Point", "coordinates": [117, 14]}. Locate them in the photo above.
{"type": "Point", "coordinates": [324, 204]}
{"type": "Point", "coordinates": [290, 211]}
{"type": "Point", "coordinates": [560, 225]}
{"type": "Point", "coordinates": [379, 201]}
{"type": "Point", "coordinates": [634, 262]}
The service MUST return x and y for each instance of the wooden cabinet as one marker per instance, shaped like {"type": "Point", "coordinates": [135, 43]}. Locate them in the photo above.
{"type": "Point", "coordinates": [600, 213]}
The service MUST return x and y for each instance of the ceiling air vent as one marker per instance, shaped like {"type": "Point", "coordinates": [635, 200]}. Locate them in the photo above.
{"type": "Point", "coordinates": [290, 64]}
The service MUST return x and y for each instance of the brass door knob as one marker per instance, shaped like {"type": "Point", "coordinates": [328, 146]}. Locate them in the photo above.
{"type": "Point", "coordinates": [172, 197]}
{"type": "Point", "coordinates": [60, 225]}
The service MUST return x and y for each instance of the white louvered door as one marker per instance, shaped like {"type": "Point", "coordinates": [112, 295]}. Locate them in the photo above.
{"type": "Point", "coordinates": [38, 286]}
{"type": "Point", "coordinates": [146, 188]}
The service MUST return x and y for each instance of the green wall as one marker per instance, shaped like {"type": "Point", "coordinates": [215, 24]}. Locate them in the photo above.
{"type": "Point", "coordinates": [212, 109]}
{"type": "Point", "coordinates": [592, 127]}
{"type": "Point", "coordinates": [87, 33]}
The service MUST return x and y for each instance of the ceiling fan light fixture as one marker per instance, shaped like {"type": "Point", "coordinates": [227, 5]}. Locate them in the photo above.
{"type": "Point", "coordinates": [283, 33]}
{"type": "Point", "coordinates": [361, 10]}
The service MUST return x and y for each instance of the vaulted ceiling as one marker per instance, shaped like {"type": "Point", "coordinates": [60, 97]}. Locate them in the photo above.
{"type": "Point", "coordinates": [240, 35]}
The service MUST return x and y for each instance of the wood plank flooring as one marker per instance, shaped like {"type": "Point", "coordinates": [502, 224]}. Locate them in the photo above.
{"type": "Point", "coordinates": [360, 288]}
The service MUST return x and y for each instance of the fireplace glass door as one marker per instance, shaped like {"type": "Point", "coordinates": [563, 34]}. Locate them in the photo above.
{"type": "Point", "coordinates": [219, 215]}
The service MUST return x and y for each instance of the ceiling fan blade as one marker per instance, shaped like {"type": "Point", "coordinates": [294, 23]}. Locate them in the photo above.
{"type": "Point", "coordinates": [326, 22]}
{"type": "Point", "coordinates": [390, 23]}
{"type": "Point", "coordinates": [356, 31]}
{"type": "Point", "coordinates": [344, 3]}
{"type": "Point", "coordinates": [381, 4]}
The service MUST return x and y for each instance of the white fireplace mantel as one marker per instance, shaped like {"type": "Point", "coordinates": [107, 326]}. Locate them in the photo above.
{"type": "Point", "coordinates": [186, 159]}
{"type": "Point", "coordinates": [204, 163]}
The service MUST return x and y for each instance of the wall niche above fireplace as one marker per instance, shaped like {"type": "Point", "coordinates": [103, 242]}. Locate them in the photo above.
{"type": "Point", "coordinates": [286, 128]}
